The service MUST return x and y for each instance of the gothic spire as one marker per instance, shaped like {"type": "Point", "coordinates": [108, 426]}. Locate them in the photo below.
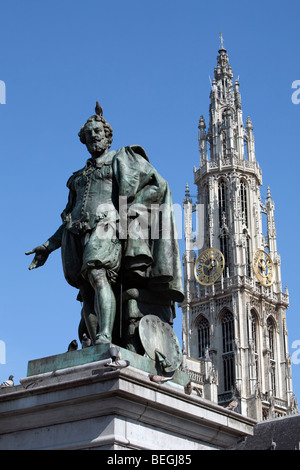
{"type": "Point", "coordinates": [223, 76]}
{"type": "Point", "coordinates": [226, 134]}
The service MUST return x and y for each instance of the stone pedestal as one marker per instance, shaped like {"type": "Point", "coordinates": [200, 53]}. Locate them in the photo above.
{"type": "Point", "coordinates": [91, 405]}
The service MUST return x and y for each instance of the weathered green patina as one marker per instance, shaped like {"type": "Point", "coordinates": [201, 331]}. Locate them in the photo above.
{"type": "Point", "coordinates": [58, 363]}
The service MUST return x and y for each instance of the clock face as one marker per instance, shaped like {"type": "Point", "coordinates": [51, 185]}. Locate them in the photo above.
{"type": "Point", "coordinates": [263, 268]}
{"type": "Point", "coordinates": [209, 266]}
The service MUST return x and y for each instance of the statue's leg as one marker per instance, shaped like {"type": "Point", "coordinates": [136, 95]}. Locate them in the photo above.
{"type": "Point", "coordinates": [88, 311]}
{"type": "Point", "coordinates": [104, 304]}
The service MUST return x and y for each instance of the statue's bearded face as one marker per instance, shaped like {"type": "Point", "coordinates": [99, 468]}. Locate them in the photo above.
{"type": "Point", "coordinates": [95, 138]}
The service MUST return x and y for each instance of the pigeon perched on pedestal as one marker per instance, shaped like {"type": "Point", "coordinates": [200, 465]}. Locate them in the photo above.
{"type": "Point", "coordinates": [159, 379]}
{"type": "Point", "coordinates": [233, 405]}
{"type": "Point", "coordinates": [117, 361]}
{"type": "Point", "coordinates": [8, 383]}
{"type": "Point", "coordinates": [188, 388]}
{"type": "Point", "coordinates": [85, 341]}
{"type": "Point", "coordinates": [118, 364]}
{"type": "Point", "coordinates": [73, 345]}
{"type": "Point", "coordinates": [273, 445]}
{"type": "Point", "coordinates": [115, 353]}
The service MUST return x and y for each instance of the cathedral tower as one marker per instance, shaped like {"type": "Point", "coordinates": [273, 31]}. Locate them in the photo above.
{"type": "Point", "coordinates": [235, 311]}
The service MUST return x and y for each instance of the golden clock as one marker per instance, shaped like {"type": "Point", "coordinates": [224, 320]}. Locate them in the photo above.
{"type": "Point", "coordinates": [263, 267]}
{"type": "Point", "coordinates": [209, 266]}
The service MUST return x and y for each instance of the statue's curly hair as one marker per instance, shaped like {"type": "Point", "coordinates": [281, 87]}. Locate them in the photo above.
{"type": "Point", "coordinates": [107, 129]}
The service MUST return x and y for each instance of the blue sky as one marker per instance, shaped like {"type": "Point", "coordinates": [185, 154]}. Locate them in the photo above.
{"type": "Point", "coordinates": [148, 63]}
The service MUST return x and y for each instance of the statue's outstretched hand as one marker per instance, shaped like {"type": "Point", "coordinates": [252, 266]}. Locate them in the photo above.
{"type": "Point", "coordinates": [41, 255]}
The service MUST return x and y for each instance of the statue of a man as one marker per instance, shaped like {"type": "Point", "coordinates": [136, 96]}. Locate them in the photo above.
{"type": "Point", "coordinates": [105, 236]}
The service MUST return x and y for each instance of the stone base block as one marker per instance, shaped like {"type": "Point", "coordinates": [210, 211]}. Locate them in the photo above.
{"type": "Point", "coordinates": [93, 406]}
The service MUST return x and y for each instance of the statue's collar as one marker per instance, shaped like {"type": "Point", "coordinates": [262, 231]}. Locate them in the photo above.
{"type": "Point", "coordinates": [106, 157]}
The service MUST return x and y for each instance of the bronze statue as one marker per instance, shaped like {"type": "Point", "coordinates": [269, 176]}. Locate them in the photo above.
{"type": "Point", "coordinates": [118, 240]}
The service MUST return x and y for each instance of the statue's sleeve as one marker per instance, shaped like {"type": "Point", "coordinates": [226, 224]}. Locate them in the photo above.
{"type": "Point", "coordinates": [54, 242]}
{"type": "Point", "coordinates": [69, 206]}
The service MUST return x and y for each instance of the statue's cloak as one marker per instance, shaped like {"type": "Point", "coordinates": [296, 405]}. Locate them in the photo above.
{"type": "Point", "coordinates": [153, 260]}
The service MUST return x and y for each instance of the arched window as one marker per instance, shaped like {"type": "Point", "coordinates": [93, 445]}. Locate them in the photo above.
{"type": "Point", "coordinates": [244, 204]}
{"type": "Point", "coordinates": [205, 201]}
{"type": "Point", "coordinates": [224, 248]}
{"type": "Point", "coordinates": [270, 328]}
{"type": "Point", "coordinates": [224, 144]}
{"type": "Point", "coordinates": [247, 254]}
{"type": "Point", "coordinates": [222, 200]}
{"type": "Point", "coordinates": [254, 327]}
{"type": "Point", "coordinates": [203, 336]}
{"type": "Point", "coordinates": [273, 379]}
{"type": "Point", "coordinates": [228, 350]}
{"type": "Point", "coordinates": [272, 368]}
{"type": "Point", "coordinates": [228, 332]}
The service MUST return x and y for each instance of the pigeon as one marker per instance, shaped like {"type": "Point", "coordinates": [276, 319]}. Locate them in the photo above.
{"type": "Point", "coordinates": [115, 353]}
{"type": "Point", "coordinates": [273, 445]}
{"type": "Point", "coordinates": [188, 388]}
{"type": "Point", "coordinates": [8, 383]}
{"type": "Point", "coordinates": [85, 341]}
{"type": "Point", "coordinates": [118, 364]}
{"type": "Point", "coordinates": [158, 379]}
{"type": "Point", "coordinates": [232, 405]}
{"type": "Point", "coordinates": [198, 391]}
{"type": "Point", "coordinates": [98, 109]}
{"type": "Point", "coordinates": [73, 345]}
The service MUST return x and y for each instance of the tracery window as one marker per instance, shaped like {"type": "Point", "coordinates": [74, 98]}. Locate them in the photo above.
{"type": "Point", "coordinates": [254, 327]}
{"type": "Point", "coordinates": [228, 350]}
{"type": "Point", "coordinates": [248, 259]}
{"type": "Point", "coordinates": [270, 328]}
{"type": "Point", "coordinates": [228, 332]}
{"type": "Point", "coordinates": [222, 199]}
{"type": "Point", "coordinates": [228, 370]}
{"type": "Point", "coordinates": [244, 204]}
{"type": "Point", "coordinates": [203, 336]}
{"type": "Point", "coordinates": [272, 368]}
{"type": "Point", "coordinates": [205, 196]}
{"type": "Point", "coordinates": [224, 248]}
{"type": "Point", "coordinates": [273, 379]}
{"type": "Point", "coordinates": [224, 144]}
